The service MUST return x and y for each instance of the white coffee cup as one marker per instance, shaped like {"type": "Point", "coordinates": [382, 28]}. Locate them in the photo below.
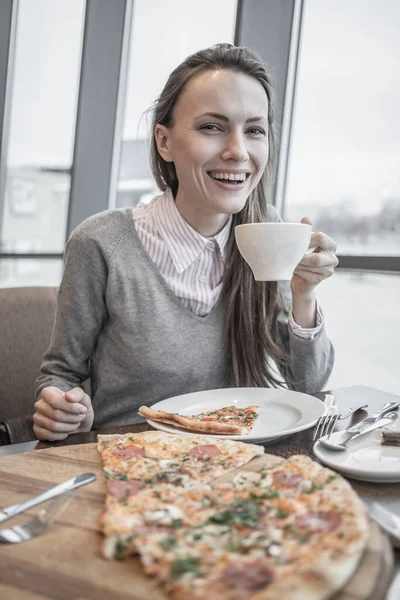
{"type": "Point", "coordinates": [273, 250]}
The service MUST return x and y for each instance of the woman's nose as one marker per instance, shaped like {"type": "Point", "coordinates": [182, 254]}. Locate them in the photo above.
{"type": "Point", "coordinates": [235, 149]}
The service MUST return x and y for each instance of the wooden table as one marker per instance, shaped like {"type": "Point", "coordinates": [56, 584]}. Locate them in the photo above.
{"type": "Point", "coordinates": [301, 443]}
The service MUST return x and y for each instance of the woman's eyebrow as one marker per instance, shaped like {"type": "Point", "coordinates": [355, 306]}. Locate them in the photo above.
{"type": "Point", "coordinates": [225, 118]}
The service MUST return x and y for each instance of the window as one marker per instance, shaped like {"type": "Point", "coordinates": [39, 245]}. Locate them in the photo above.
{"type": "Point", "coordinates": [181, 28]}
{"type": "Point", "coordinates": [343, 173]}
{"type": "Point", "coordinates": [361, 314]}
{"type": "Point", "coordinates": [20, 272]}
{"type": "Point", "coordinates": [344, 156]}
{"type": "Point", "coordinates": [41, 133]}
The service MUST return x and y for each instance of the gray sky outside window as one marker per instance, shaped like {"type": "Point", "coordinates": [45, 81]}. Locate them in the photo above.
{"type": "Point", "coordinates": [345, 142]}
{"type": "Point", "coordinates": [46, 80]}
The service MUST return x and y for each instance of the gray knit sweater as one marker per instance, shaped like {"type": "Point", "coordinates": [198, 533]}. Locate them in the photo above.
{"type": "Point", "coordinates": [119, 324]}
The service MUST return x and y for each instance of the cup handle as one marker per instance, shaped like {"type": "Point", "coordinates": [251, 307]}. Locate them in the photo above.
{"type": "Point", "coordinates": [312, 249]}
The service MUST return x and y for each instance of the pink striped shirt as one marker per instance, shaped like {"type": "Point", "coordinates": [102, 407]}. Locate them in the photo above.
{"type": "Point", "coordinates": [192, 265]}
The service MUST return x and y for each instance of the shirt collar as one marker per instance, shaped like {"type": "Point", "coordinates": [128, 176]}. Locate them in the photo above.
{"type": "Point", "coordinates": [184, 243]}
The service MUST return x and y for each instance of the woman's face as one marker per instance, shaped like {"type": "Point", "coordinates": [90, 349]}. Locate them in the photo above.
{"type": "Point", "coordinates": [219, 145]}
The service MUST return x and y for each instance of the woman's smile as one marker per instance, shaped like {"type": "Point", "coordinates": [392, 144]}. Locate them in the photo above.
{"type": "Point", "coordinates": [229, 180]}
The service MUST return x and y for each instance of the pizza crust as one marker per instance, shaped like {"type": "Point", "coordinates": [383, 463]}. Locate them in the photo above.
{"type": "Point", "coordinates": [319, 580]}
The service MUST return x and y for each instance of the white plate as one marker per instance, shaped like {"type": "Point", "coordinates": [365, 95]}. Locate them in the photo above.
{"type": "Point", "coordinates": [281, 412]}
{"type": "Point", "coordinates": [365, 459]}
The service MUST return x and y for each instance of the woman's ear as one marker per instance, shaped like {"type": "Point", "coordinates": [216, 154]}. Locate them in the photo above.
{"type": "Point", "coordinates": [163, 141]}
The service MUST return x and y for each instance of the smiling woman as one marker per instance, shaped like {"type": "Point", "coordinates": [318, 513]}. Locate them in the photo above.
{"type": "Point", "coordinates": [156, 301]}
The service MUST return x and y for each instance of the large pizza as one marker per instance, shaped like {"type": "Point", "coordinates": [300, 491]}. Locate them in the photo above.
{"type": "Point", "coordinates": [206, 530]}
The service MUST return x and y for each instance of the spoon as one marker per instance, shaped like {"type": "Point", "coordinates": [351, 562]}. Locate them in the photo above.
{"type": "Point", "coordinates": [337, 442]}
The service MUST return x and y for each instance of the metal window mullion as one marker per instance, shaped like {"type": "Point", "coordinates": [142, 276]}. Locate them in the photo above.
{"type": "Point", "coordinates": [30, 255]}
{"type": "Point", "coordinates": [95, 138]}
{"type": "Point", "coordinates": [375, 264]}
{"type": "Point", "coordinates": [267, 27]}
{"type": "Point", "coordinates": [8, 27]}
{"type": "Point", "coordinates": [120, 110]}
{"type": "Point", "coordinates": [370, 263]}
{"type": "Point", "coordinates": [288, 107]}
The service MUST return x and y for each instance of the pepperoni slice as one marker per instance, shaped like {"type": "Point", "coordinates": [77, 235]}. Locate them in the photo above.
{"type": "Point", "coordinates": [208, 450]}
{"type": "Point", "coordinates": [247, 576]}
{"type": "Point", "coordinates": [287, 478]}
{"type": "Point", "coordinates": [142, 529]}
{"type": "Point", "coordinates": [123, 489]}
{"type": "Point", "coordinates": [319, 521]}
{"type": "Point", "coordinates": [129, 452]}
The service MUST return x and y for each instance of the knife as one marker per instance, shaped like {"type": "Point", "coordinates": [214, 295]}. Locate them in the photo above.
{"type": "Point", "coordinates": [386, 408]}
{"type": "Point", "coordinates": [340, 439]}
{"type": "Point", "coordinates": [67, 486]}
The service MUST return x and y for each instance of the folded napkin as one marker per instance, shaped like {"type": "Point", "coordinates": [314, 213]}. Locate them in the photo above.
{"type": "Point", "coordinates": [390, 435]}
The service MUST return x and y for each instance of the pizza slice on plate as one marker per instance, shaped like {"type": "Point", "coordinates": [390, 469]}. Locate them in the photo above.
{"type": "Point", "coordinates": [230, 420]}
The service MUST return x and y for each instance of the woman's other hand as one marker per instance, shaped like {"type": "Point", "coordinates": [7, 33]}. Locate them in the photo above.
{"type": "Point", "coordinates": [59, 414]}
{"type": "Point", "coordinates": [315, 266]}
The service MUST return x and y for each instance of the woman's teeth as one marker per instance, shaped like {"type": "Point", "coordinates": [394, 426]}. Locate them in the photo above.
{"type": "Point", "coordinates": [229, 177]}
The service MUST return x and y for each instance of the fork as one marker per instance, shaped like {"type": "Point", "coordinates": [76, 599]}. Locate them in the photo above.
{"type": "Point", "coordinates": [329, 420]}
{"type": "Point", "coordinates": [324, 422]}
{"type": "Point", "coordinates": [37, 525]}
{"type": "Point", "coordinates": [388, 520]}
{"type": "Point", "coordinates": [339, 417]}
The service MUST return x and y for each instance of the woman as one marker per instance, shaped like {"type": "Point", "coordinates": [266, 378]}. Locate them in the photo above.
{"type": "Point", "coordinates": [157, 301]}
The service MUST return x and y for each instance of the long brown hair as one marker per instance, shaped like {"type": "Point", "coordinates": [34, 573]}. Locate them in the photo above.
{"type": "Point", "coordinates": [251, 308]}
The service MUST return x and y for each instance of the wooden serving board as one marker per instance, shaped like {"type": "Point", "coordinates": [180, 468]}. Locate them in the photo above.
{"type": "Point", "coordinates": [66, 562]}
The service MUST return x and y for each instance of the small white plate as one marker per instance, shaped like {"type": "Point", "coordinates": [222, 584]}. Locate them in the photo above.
{"type": "Point", "coordinates": [365, 459]}
{"type": "Point", "coordinates": [281, 412]}
{"type": "Point", "coordinates": [394, 590]}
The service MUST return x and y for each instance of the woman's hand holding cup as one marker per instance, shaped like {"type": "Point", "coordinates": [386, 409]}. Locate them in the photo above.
{"type": "Point", "coordinates": [315, 266]}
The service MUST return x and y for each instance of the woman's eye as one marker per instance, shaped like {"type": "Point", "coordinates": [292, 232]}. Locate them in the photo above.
{"type": "Point", "coordinates": [211, 127]}
{"type": "Point", "coordinates": [256, 131]}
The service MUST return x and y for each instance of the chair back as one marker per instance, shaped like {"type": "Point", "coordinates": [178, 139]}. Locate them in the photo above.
{"type": "Point", "coordinates": [26, 321]}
